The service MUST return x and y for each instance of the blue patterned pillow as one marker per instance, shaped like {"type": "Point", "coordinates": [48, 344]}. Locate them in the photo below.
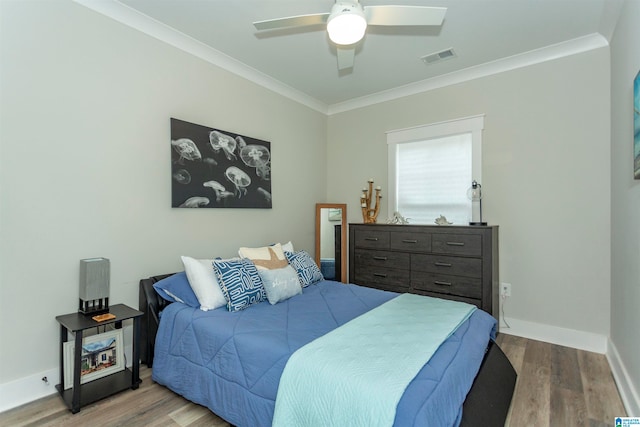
{"type": "Point", "coordinates": [240, 283]}
{"type": "Point", "coordinates": [305, 266]}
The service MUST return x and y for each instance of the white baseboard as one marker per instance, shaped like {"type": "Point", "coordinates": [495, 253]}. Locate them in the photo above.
{"type": "Point", "coordinates": [628, 392]}
{"type": "Point", "coordinates": [28, 389]}
{"type": "Point", "coordinates": [555, 335]}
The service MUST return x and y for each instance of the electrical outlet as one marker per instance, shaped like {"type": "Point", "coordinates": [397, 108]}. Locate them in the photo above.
{"type": "Point", "coordinates": [505, 289]}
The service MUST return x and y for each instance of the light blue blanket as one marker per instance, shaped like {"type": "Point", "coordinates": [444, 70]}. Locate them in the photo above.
{"type": "Point", "coordinates": [344, 378]}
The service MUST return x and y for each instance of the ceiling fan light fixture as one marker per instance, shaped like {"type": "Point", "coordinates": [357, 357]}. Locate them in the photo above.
{"type": "Point", "coordinates": [346, 24]}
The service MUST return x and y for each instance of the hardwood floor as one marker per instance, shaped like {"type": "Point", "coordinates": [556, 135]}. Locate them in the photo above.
{"type": "Point", "coordinates": [560, 386]}
{"type": "Point", "coordinates": [557, 386]}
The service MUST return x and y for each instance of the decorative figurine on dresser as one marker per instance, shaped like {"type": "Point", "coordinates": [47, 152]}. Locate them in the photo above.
{"type": "Point", "coordinates": [369, 213]}
{"type": "Point", "coordinates": [452, 262]}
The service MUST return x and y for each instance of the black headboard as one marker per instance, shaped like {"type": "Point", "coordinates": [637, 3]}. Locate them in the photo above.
{"type": "Point", "coordinates": [151, 304]}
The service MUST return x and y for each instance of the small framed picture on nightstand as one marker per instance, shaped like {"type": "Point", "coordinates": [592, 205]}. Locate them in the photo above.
{"type": "Point", "coordinates": [102, 355]}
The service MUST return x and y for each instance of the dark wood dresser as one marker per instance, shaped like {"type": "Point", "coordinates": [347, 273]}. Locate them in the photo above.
{"type": "Point", "coordinates": [452, 262]}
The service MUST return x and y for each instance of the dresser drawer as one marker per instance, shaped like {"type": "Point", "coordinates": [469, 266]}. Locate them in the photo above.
{"type": "Point", "coordinates": [371, 239]}
{"type": "Point", "coordinates": [382, 259]}
{"type": "Point", "coordinates": [456, 244]}
{"type": "Point", "coordinates": [472, 301]}
{"type": "Point", "coordinates": [410, 242]}
{"type": "Point", "coordinates": [440, 264]}
{"type": "Point", "coordinates": [388, 278]}
{"type": "Point", "coordinates": [469, 287]}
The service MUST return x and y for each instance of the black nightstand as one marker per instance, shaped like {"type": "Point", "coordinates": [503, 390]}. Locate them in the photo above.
{"type": "Point", "coordinates": [83, 394]}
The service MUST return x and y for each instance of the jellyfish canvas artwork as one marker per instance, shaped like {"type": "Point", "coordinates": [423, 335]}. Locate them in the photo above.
{"type": "Point", "coordinates": [214, 168]}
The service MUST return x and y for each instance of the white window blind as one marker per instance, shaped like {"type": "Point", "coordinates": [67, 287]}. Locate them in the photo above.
{"type": "Point", "coordinates": [431, 168]}
{"type": "Point", "coordinates": [432, 179]}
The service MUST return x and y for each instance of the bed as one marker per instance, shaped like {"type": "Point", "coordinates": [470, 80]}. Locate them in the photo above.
{"type": "Point", "coordinates": [232, 362]}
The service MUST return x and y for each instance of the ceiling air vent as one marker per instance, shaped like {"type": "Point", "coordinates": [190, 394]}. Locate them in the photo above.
{"type": "Point", "coordinates": [439, 56]}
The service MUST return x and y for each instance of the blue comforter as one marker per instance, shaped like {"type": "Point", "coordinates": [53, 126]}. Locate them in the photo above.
{"type": "Point", "coordinates": [232, 362]}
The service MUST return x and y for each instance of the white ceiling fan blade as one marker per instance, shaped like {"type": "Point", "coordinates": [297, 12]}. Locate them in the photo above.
{"type": "Point", "coordinates": [346, 56]}
{"type": "Point", "coordinates": [404, 15]}
{"type": "Point", "coordinates": [292, 21]}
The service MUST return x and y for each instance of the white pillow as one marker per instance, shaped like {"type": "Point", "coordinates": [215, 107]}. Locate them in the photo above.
{"type": "Point", "coordinates": [204, 283]}
{"type": "Point", "coordinates": [288, 247]}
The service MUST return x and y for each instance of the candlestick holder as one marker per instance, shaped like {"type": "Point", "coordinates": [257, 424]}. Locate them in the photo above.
{"type": "Point", "coordinates": [369, 214]}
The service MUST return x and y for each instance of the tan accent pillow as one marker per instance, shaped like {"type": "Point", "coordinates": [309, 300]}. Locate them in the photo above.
{"type": "Point", "coordinates": [265, 258]}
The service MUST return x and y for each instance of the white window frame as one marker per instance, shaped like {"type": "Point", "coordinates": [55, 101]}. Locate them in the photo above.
{"type": "Point", "coordinates": [472, 124]}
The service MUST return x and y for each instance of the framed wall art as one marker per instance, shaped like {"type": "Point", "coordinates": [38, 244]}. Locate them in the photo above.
{"type": "Point", "coordinates": [213, 168]}
{"type": "Point", "coordinates": [102, 355]}
{"type": "Point", "coordinates": [636, 127]}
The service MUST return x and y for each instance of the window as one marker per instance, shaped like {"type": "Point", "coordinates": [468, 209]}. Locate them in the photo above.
{"type": "Point", "coordinates": [431, 167]}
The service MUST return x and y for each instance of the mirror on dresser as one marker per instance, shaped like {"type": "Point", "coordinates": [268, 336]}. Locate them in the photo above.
{"type": "Point", "coordinates": [331, 240]}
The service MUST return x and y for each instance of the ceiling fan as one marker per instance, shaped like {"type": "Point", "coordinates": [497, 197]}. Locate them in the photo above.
{"type": "Point", "coordinates": [348, 21]}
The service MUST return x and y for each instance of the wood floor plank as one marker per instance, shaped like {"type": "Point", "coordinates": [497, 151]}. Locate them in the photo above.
{"type": "Point", "coordinates": [600, 392]}
{"type": "Point", "coordinates": [567, 407]}
{"type": "Point", "coordinates": [513, 340]}
{"type": "Point", "coordinates": [47, 407]}
{"type": "Point", "coordinates": [193, 415]}
{"type": "Point", "coordinates": [531, 402]}
{"type": "Point", "coordinates": [161, 421]}
{"type": "Point", "coordinates": [565, 370]}
{"type": "Point", "coordinates": [514, 348]}
{"type": "Point", "coordinates": [538, 353]}
{"type": "Point", "coordinates": [209, 421]}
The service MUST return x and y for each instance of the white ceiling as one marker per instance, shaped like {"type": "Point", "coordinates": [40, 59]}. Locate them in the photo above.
{"type": "Point", "coordinates": [483, 34]}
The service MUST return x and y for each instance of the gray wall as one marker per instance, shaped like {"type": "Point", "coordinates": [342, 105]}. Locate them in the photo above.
{"type": "Point", "coordinates": [625, 204]}
{"type": "Point", "coordinates": [85, 166]}
{"type": "Point", "coordinates": [546, 178]}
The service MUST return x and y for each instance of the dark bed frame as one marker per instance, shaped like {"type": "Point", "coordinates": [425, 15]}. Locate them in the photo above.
{"type": "Point", "coordinates": [486, 404]}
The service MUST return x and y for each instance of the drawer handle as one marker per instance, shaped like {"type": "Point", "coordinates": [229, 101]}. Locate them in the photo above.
{"type": "Point", "coordinates": [438, 282]}
{"type": "Point", "coordinates": [455, 243]}
{"type": "Point", "coordinates": [442, 264]}
{"type": "Point", "coordinates": [371, 239]}
{"type": "Point", "coordinates": [409, 241]}
{"type": "Point", "coordinates": [379, 275]}
{"type": "Point", "coordinates": [380, 258]}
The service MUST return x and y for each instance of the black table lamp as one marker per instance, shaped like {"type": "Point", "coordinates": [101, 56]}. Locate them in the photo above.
{"type": "Point", "coordinates": [474, 193]}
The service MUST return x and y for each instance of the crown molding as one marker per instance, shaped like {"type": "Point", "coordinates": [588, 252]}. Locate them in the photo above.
{"type": "Point", "coordinates": [548, 53]}
{"type": "Point", "coordinates": [147, 25]}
